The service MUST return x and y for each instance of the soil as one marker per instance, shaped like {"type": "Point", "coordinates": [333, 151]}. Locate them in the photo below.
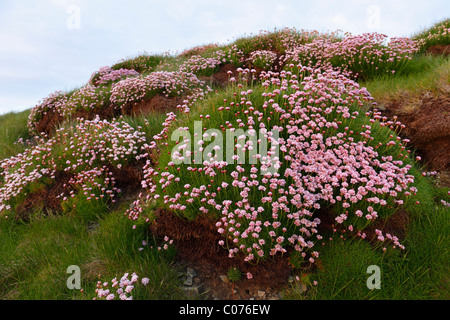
{"type": "Point", "coordinates": [427, 124]}
{"type": "Point", "coordinates": [48, 123]}
{"type": "Point", "coordinates": [197, 244]}
{"type": "Point", "coordinates": [157, 103]}
{"type": "Point", "coordinates": [128, 179]}
{"type": "Point", "coordinates": [439, 49]}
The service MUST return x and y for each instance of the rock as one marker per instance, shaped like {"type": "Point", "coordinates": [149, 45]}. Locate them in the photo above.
{"type": "Point", "coordinates": [302, 287]}
{"type": "Point", "coordinates": [224, 279]}
{"type": "Point", "coordinates": [192, 292]}
{"type": "Point", "coordinates": [188, 281]}
{"type": "Point", "coordinates": [191, 272]}
{"type": "Point", "coordinates": [261, 294]}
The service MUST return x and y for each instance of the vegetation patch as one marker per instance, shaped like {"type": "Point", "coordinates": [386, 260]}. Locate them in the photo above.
{"type": "Point", "coordinates": [289, 160]}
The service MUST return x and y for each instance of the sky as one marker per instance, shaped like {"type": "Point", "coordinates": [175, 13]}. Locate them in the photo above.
{"type": "Point", "coordinates": [55, 45]}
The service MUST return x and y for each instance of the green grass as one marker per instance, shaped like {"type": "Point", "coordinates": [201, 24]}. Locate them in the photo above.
{"type": "Point", "coordinates": [13, 126]}
{"type": "Point", "coordinates": [142, 63]}
{"type": "Point", "coordinates": [35, 257]}
{"type": "Point", "coordinates": [421, 273]}
{"type": "Point", "coordinates": [433, 35]}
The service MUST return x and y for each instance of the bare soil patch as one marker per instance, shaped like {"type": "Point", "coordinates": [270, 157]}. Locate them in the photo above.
{"type": "Point", "coordinates": [48, 123]}
{"type": "Point", "coordinates": [221, 77]}
{"type": "Point", "coordinates": [158, 103]}
{"type": "Point", "coordinates": [439, 49]}
{"type": "Point", "coordinates": [427, 126]}
{"type": "Point", "coordinates": [197, 244]}
{"type": "Point", "coordinates": [46, 198]}
{"type": "Point", "coordinates": [106, 112]}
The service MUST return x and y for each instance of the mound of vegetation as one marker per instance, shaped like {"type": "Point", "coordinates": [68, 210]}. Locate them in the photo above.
{"type": "Point", "coordinates": [249, 157]}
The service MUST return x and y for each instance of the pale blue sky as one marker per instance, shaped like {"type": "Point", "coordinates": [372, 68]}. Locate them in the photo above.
{"type": "Point", "coordinates": [49, 45]}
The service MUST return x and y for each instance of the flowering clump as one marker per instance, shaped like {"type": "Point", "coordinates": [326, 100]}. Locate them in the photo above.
{"type": "Point", "coordinates": [143, 64]}
{"type": "Point", "coordinates": [235, 56]}
{"type": "Point", "coordinates": [208, 65]}
{"type": "Point", "coordinates": [89, 98]}
{"type": "Point", "coordinates": [53, 104]}
{"type": "Point", "coordinates": [363, 55]}
{"type": "Point", "coordinates": [439, 34]}
{"type": "Point", "coordinates": [200, 65]}
{"type": "Point", "coordinates": [326, 155]}
{"type": "Point", "coordinates": [87, 153]}
{"type": "Point", "coordinates": [106, 75]}
{"type": "Point", "coordinates": [134, 90]}
{"type": "Point", "coordinates": [198, 50]}
{"type": "Point", "coordinates": [263, 59]}
{"type": "Point", "coordinates": [119, 289]}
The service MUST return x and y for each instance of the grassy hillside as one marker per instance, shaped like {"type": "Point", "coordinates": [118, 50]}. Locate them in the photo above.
{"type": "Point", "coordinates": [288, 162]}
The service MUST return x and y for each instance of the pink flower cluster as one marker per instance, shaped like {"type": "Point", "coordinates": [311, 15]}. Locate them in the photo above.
{"type": "Point", "coordinates": [54, 103]}
{"type": "Point", "coordinates": [262, 59]}
{"type": "Point", "coordinates": [107, 75]}
{"type": "Point", "coordinates": [198, 50]}
{"type": "Point", "coordinates": [133, 90]}
{"type": "Point", "coordinates": [439, 34]}
{"type": "Point", "coordinates": [86, 152]}
{"type": "Point", "coordinates": [130, 90]}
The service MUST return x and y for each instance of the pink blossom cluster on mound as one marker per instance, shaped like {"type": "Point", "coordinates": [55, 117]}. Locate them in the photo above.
{"type": "Point", "coordinates": [439, 33]}
{"type": "Point", "coordinates": [122, 287]}
{"type": "Point", "coordinates": [132, 90]}
{"type": "Point", "coordinates": [87, 98]}
{"type": "Point", "coordinates": [362, 55]}
{"type": "Point", "coordinates": [322, 163]}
